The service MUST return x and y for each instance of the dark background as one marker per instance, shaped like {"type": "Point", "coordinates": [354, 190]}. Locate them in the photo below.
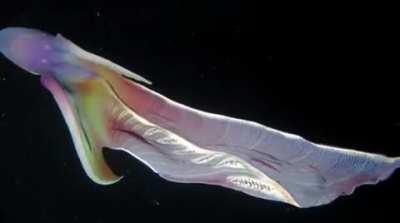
{"type": "Point", "coordinates": [332, 85]}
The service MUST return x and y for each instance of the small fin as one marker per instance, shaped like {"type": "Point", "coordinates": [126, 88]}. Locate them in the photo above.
{"type": "Point", "coordinates": [101, 61]}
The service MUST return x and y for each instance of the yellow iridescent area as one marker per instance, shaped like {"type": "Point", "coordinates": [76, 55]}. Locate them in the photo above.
{"type": "Point", "coordinates": [85, 114]}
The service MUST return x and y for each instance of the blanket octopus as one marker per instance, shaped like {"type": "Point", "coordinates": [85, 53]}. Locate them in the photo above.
{"type": "Point", "coordinates": [108, 106]}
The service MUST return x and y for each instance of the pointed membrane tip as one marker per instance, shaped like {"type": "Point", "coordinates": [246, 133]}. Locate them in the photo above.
{"type": "Point", "coordinates": [144, 80]}
{"type": "Point", "coordinates": [108, 181]}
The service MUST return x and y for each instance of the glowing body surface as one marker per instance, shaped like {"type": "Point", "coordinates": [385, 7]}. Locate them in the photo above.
{"type": "Point", "coordinates": [106, 106]}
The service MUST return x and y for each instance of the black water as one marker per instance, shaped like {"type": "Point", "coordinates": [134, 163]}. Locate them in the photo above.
{"type": "Point", "coordinates": [214, 56]}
